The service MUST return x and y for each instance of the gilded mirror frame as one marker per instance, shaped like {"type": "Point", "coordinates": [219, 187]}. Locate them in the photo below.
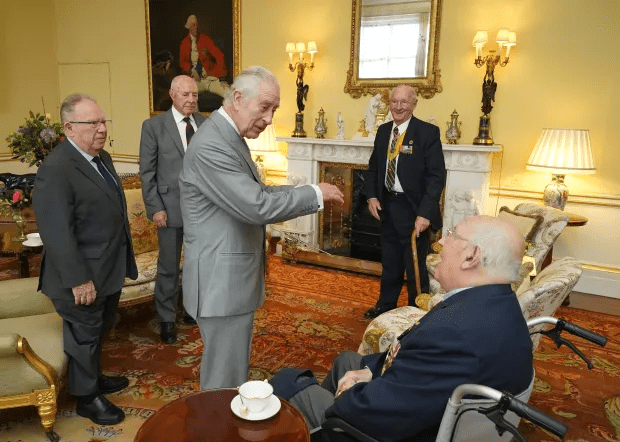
{"type": "Point", "coordinates": [199, 9]}
{"type": "Point", "coordinates": [426, 86]}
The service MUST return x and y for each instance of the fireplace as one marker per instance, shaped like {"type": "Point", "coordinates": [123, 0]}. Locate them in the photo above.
{"type": "Point", "coordinates": [345, 235]}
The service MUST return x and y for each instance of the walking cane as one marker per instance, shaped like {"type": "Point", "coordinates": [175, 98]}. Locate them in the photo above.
{"type": "Point", "coordinates": [416, 268]}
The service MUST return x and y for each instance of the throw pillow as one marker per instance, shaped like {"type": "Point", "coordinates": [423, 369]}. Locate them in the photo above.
{"type": "Point", "coordinates": [143, 230]}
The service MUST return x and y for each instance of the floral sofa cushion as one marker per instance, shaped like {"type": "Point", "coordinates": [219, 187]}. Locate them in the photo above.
{"type": "Point", "coordinates": [384, 328]}
{"type": "Point", "coordinates": [143, 230]}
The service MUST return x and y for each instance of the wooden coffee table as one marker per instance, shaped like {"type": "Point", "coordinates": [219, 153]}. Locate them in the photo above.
{"type": "Point", "coordinates": [207, 416]}
{"type": "Point", "coordinates": [8, 230]}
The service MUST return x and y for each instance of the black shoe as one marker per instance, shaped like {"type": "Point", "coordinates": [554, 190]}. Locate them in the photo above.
{"type": "Point", "coordinates": [187, 319]}
{"type": "Point", "coordinates": [99, 410]}
{"type": "Point", "coordinates": [112, 384]}
{"type": "Point", "coordinates": [374, 312]}
{"type": "Point", "coordinates": [168, 334]}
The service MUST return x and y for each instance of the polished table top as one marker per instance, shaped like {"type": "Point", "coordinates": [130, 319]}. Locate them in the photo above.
{"type": "Point", "coordinates": [207, 416]}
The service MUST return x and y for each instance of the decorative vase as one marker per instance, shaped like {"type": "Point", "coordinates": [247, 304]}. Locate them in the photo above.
{"type": "Point", "coordinates": [454, 128]}
{"type": "Point", "coordinates": [321, 128]}
{"type": "Point", "coordinates": [21, 226]}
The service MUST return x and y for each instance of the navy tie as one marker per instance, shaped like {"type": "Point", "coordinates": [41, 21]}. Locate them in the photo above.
{"type": "Point", "coordinates": [106, 175]}
{"type": "Point", "coordinates": [189, 130]}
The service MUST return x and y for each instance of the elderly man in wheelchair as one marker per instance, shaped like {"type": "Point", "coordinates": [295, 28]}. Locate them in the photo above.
{"type": "Point", "coordinates": [476, 335]}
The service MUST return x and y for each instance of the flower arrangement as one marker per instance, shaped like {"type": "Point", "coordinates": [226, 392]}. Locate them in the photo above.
{"type": "Point", "coordinates": [14, 200]}
{"type": "Point", "coordinates": [35, 139]}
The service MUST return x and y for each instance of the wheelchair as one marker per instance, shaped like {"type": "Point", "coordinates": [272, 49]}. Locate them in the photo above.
{"type": "Point", "coordinates": [498, 414]}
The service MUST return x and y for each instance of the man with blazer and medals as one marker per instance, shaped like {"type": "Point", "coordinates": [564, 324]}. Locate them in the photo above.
{"type": "Point", "coordinates": [163, 144]}
{"type": "Point", "coordinates": [404, 181]}
{"type": "Point", "coordinates": [82, 218]}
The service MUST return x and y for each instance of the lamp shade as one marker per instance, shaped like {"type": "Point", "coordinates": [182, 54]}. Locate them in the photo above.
{"type": "Point", "coordinates": [502, 36]}
{"type": "Point", "coordinates": [561, 152]}
{"type": "Point", "coordinates": [266, 141]}
{"type": "Point", "coordinates": [481, 38]}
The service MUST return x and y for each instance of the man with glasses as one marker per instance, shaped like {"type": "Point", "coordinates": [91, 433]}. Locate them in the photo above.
{"type": "Point", "coordinates": [163, 144]}
{"type": "Point", "coordinates": [476, 334]}
{"type": "Point", "coordinates": [82, 218]}
{"type": "Point", "coordinates": [405, 178]}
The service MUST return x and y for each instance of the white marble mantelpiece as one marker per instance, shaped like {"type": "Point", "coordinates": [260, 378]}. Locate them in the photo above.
{"type": "Point", "coordinates": [468, 170]}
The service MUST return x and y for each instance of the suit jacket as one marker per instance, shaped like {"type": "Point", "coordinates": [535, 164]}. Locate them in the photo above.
{"type": "Point", "coordinates": [83, 225]}
{"type": "Point", "coordinates": [476, 336]}
{"type": "Point", "coordinates": [225, 209]}
{"type": "Point", "coordinates": [422, 174]}
{"type": "Point", "coordinates": [161, 161]}
{"type": "Point", "coordinates": [211, 58]}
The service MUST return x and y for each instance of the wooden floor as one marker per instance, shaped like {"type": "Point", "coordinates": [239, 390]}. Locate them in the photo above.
{"type": "Point", "coordinates": [594, 303]}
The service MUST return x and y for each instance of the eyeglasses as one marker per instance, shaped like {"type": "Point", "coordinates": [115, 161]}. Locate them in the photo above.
{"type": "Point", "coordinates": [451, 232]}
{"type": "Point", "coordinates": [93, 124]}
{"type": "Point", "coordinates": [402, 103]}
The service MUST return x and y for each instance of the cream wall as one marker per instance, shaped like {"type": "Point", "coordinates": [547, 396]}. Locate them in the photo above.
{"type": "Point", "coordinates": [28, 57]}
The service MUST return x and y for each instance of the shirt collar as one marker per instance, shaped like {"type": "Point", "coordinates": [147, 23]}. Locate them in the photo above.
{"type": "Point", "coordinates": [402, 127]}
{"type": "Point", "coordinates": [178, 116]}
{"type": "Point", "coordinates": [453, 292]}
{"type": "Point", "coordinates": [85, 154]}
{"type": "Point", "coordinates": [223, 113]}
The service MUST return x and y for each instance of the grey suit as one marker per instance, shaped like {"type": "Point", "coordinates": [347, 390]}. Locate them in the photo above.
{"type": "Point", "coordinates": [84, 228]}
{"type": "Point", "coordinates": [225, 208]}
{"type": "Point", "coordinates": [161, 160]}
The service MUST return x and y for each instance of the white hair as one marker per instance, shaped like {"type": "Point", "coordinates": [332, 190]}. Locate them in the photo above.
{"type": "Point", "coordinates": [68, 105]}
{"type": "Point", "coordinates": [498, 255]}
{"type": "Point", "coordinates": [191, 19]}
{"type": "Point", "coordinates": [249, 82]}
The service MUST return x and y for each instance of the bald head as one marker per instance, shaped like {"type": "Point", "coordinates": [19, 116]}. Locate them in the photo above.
{"type": "Point", "coordinates": [483, 250]}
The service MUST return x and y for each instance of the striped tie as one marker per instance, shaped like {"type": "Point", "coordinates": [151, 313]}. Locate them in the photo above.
{"type": "Point", "coordinates": [189, 130]}
{"type": "Point", "coordinates": [391, 171]}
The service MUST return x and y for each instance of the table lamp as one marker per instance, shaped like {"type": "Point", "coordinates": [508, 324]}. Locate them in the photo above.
{"type": "Point", "coordinates": [561, 151]}
{"type": "Point", "coordinates": [265, 143]}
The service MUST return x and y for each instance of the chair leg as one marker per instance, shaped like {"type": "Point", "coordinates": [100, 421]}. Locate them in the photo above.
{"type": "Point", "coordinates": [47, 413]}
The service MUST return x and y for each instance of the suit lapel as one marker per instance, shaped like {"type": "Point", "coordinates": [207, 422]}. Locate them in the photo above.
{"type": "Point", "coordinates": [89, 172]}
{"type": "Point", "coordinates": [173, 131]}
{"type": "Point", "coordinates": [238, 142]}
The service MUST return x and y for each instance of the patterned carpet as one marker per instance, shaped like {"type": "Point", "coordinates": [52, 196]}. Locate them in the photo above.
{"type": "Point", "coordinates": [311, 315]}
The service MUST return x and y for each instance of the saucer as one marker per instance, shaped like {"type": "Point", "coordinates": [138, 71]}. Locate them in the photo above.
{"type": "Point", "coordinates": [33, 243]}
{"type": "Point", "coordinates": [270, 410]}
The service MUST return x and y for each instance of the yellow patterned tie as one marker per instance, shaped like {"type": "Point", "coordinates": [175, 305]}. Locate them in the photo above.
{"type": "Point", "coordinates": [391, 171]}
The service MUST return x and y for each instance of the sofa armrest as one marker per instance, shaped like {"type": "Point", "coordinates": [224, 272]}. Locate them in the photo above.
{"type": "Point", "coordinates": [21, 298]}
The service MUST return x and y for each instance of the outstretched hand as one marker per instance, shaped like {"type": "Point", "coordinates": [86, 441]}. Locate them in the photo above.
{"type": "Point", "coordinates": [331, 193]}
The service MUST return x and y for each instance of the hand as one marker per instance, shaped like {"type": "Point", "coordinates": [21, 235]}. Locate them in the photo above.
{"type": "Point", "coordinates": [331, 193]}
{"type": "Point", "coordinates": [421, 224]}
{"type": "Point", "coordinates": [351, 378]}
{"type": "Point", "coordinates": [160, 219]}
{"type": "Point", "coordinates": [374, 206]}
{"type": "Point", "coordinates": [84, 293]}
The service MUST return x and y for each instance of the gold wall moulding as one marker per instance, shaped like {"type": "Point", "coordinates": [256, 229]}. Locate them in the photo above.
{"type": "Point", "coordinates": [364, 76]}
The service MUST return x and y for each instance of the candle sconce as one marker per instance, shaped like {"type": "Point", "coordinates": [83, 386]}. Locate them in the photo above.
{"type": "Point", "coordinates": [302, 89]}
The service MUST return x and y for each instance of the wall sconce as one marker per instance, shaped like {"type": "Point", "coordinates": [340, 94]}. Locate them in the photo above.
{"type": "Point", "coordinates": [265, 143]}
{"type": "Point", "coordinates": [561, 151]}
{"type": "Point", "coordinates": [302, 89]}
{"type": "Point", "coordinates": [504, 39]}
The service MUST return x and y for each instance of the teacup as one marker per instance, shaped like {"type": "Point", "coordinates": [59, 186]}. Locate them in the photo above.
{"type": "Point", "coordinates": [256, 395]}
{"type": "Point", "coordinates": [34, 236]}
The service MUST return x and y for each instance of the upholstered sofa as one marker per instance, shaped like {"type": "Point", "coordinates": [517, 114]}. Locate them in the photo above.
{"type": "Point", "coordinates": [543, 297]}
{"type": "Point", "coordinates": [144, 239]}
{"type": "Point", "coordinates": [33, 364]}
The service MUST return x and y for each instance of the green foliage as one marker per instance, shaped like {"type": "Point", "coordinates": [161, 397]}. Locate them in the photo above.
{"type": "Point", "coordinates": [35, 139]}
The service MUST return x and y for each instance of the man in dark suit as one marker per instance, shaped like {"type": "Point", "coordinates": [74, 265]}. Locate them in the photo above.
{"type": "Point", "coordinates": [163, 144]}
{"type": "Point", "coordinates": [477, 334]}
{"type": "Point", "coordinates": [82, 218]}
{"type": "Point", "coordinates": [405, 178]}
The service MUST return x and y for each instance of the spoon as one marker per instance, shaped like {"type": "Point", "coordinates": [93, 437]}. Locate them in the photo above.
{"type": "Point", "coordinates": [244, 410]}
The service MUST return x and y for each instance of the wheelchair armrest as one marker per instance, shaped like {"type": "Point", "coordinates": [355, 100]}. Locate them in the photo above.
{"type": "Point", "coordinates": [336, 424]}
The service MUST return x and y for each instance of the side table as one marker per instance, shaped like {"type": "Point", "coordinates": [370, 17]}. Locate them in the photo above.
{"type": "Point", "coordinates": [206, 416]}
{"type": "Point", "coordinates": [8, 247]}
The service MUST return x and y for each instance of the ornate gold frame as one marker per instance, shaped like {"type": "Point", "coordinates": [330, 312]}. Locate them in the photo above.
{"type": "Point", "coordinates": [426, 86]}
{"type": "Point", "coordinates": [236, 5]}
